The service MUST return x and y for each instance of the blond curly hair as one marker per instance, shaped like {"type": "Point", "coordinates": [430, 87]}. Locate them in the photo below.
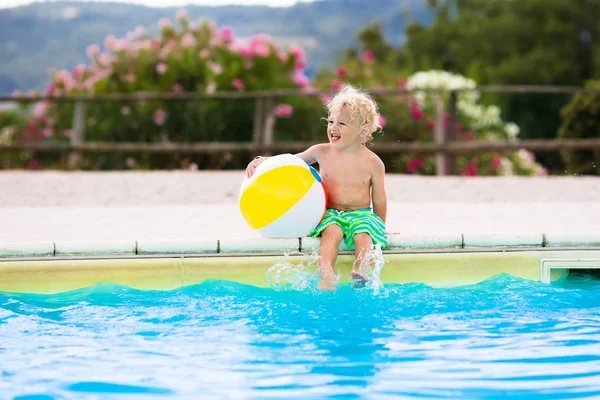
{"type": "Point", "coordinates": [360, 106]}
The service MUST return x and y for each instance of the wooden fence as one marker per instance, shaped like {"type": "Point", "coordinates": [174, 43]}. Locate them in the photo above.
{"type": "Point", "coordinates": [445, 145]}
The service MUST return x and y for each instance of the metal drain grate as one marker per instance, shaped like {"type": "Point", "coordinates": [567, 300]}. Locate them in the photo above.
{"type": "Point", "coordinates": [549, 264]}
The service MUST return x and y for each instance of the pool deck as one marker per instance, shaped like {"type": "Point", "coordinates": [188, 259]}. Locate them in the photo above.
{"type": "Point", "coordinates": [116, 213]}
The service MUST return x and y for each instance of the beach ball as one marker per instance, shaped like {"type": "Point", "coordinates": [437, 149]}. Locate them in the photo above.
{"type": "Point", "coordinates": [284, 198]}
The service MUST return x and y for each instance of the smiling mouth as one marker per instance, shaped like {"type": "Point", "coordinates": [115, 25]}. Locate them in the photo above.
{"type": "Point", "coordinates": [334, 138]}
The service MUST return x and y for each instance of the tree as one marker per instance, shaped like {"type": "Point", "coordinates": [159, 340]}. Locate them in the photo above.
{"type": "Point", "coordinates": [545, 42]}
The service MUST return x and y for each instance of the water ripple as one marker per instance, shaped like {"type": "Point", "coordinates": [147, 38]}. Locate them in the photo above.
{"type": "Point", "coordinates": [504, 336]}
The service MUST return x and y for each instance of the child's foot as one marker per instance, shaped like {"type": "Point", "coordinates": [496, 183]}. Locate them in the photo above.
{"type": "Point", "coordinates": [359, 279]}
{"type": "Point", "coordinates": [327, 284]}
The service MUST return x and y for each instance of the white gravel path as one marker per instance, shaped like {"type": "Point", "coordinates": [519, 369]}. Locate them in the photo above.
{"type": "Point", "coordinates": [185, 204]}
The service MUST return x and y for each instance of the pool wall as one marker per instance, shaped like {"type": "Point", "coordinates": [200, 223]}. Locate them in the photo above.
{"type": "Point", "coordinates": [436, 260]}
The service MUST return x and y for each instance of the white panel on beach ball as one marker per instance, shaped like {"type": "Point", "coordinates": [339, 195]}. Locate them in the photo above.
{"type": "Point", "coordinates": [284, 198]}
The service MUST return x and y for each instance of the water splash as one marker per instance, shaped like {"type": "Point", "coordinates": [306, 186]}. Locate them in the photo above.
{"type": "Point", "coordinates": [286, 275]}
{"type": "Point", "coordinates": [304, 275]}
{"type": "Point", "coordinates": [372, 262]}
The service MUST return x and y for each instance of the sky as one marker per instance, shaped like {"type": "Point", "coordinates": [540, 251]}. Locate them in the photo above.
{"type": "Point", "coordinates": [173, 3]}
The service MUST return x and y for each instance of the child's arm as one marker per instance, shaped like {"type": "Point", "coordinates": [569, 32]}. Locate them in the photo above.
{"type": "Point", "coordinates": [378, 194]}
{"type": "Point", "coordinates": [312, 154]}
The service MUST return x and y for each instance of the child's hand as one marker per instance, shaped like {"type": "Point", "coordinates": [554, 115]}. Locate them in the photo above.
{"type": "Point", "coordinates": [251, 168]}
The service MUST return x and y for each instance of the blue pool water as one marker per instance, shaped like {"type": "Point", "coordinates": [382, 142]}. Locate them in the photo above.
{"type": "Point", "coordinates": [502, 337]}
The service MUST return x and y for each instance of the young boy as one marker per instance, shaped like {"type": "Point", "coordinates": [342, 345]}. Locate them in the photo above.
{"type": "Point", "coordinates": [354, 179]}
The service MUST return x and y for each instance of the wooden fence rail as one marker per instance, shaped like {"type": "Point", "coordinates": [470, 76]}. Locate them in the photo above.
{"type": "Point", "coordinates": [445, 147]}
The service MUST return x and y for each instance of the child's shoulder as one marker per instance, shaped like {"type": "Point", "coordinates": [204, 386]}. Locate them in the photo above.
{"type": "Point", "coordinates": [372, 158]}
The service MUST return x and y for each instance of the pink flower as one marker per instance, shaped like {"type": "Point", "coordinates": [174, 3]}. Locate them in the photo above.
{"type": "Point", "coordinates": [204, 53]}
{"type": "Point", "coordinates": [283, 57]}
{"type": "Point", "coordinates": [40, 109]}
{"type": "Point", "coordinates": [468, 136]}
{"type": "Point", "coordinates": [78, 71]}
{"type": "Point", "coordinates": [260, 50]}
{"type": "Point", "coordinates": [430, 125]}
{"type": "Point", "coordinates": [283, 111]}
{"type": "Point", "coordinates": [301, 80]}
{"type": "Point", "coordinates": [368, 56]}
{"type": "Point", "coordinates": [130, 162]}
{"type": "Point", "coordinates": [300, 66]}
{"type": "Point", "coordinates": [188, 40]}
{"type": "Point", "coordinates": [335, 85]}
{"type": "Point", "coordinates": [181, 14]}
{"type": "Point", "coordinates": [261, 38]}
{"type": "Point", "coordinates": [211, 88]}
{"type": "Point", "coordinates": [217, 69]}
{"type": "Point", "coordinates": [67, 133]}
{"type": "Point", "coordinates": [496, 161]}
{"type": "Point", "coordinates": [93, 50]}
{"type": "Point", "coordinates": [140, 31]}
{"type": "Point", "coordinates": [297, 51]}
{"type": "Point", "coordinates": [238, 85]}
{"type": "Point", "coordinates": [161, 68]}
{"type": "Point", "coordinates": [414, 164]}
{"type": "Point", "coordinates": [33, 164]}
{"type": "Point", "coordinates": [226, 34]}
{"type": "Point", "coordinates": [177, 88]}
{"type": "Point", "coordinates": [341, 71]}
{"type": "Point", "coordinates": [110, 42]}
{"type": "Point", "coordinates": [164, 23]}
{"type": "Point", "coordinates": [159, 117]}
{"type": "Point", "coordinates": [244, 51]}
{"type": "Point", "coordinates": [472, 167]}
{"type": "Point", "coordinates": [325, 98]}
{"type": "Point", "coordinates": [382, 121]}
{"type": "Point", "coordinates": [48, 132]}
{"type": "Point", "coordinates": [104, 59]}
{"type": "Point", "coordinates": [416, 113]}
{"type": "Point", "coordinates": [125, 110]}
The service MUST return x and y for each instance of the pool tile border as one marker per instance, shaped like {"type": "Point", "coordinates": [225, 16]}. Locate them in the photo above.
{"type": "Point", "coordinates": [177, 246]}
{"type": "Point", "coordinates": [503, 239]}
{"type": "Point", "coordinates": [95, 247]}
{"type": "Point", "coordinates": [398, 242]}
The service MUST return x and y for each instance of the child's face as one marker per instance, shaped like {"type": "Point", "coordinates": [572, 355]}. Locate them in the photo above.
{"type": "Point", "coordinates": [341, 130]}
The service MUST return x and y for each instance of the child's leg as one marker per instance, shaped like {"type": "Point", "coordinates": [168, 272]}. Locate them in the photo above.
{"type": "Point", "coordinates": [328, 250]}
{"type": "Point", "coordinates": [363, 245]}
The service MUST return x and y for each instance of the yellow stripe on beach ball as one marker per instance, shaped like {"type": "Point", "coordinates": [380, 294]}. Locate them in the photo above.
{"type": "Point", "coordinates": [272, 194]}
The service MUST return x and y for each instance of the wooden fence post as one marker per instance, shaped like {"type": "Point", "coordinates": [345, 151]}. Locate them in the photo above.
{"type": "Point", "coordinates": [451, 135]}
{"type": "Point", "coordinates": [77, 134]}
{"type": "Point", "coordinates": [257, 129]}
{"type": "Point", "coordinates": [441, 165]}
{"type": "Point", "coordinates": [269, 123]}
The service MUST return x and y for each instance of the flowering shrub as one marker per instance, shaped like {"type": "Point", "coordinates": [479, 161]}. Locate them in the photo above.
{"type": "Point", "coordinates": [413, 118]}
{"type": "Point", "coordinates": [475, 122]}
{"type": "Point", "coordinates": [202, 58]}
{"type": "Point", "coordinates": [183, 58]}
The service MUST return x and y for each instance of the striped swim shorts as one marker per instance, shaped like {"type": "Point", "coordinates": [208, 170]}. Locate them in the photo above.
{"type": "Point", "coordinates": [353, 222]}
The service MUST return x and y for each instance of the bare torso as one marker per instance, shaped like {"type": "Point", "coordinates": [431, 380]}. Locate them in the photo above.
{"type": "Point", "coordinates": [347, 177]}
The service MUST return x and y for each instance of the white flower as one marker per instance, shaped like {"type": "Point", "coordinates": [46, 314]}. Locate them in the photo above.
{"type": "Point", "coordinates": [526, 157]}
{"type": "Point", "coordinates": [506, 167]}
{"type": "Point", "coordinates": [512, 130]}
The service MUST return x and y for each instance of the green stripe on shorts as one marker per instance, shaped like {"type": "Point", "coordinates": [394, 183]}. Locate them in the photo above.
{"type": "Point", "coordinates": [352, 223]}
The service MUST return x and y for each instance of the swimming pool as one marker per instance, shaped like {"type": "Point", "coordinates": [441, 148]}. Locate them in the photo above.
{"type": "Point", "coordinates": [504, 336]}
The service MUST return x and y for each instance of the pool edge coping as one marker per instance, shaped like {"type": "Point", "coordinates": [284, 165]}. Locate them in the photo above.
{"type": "Point", "coordinates": [199, 247]}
